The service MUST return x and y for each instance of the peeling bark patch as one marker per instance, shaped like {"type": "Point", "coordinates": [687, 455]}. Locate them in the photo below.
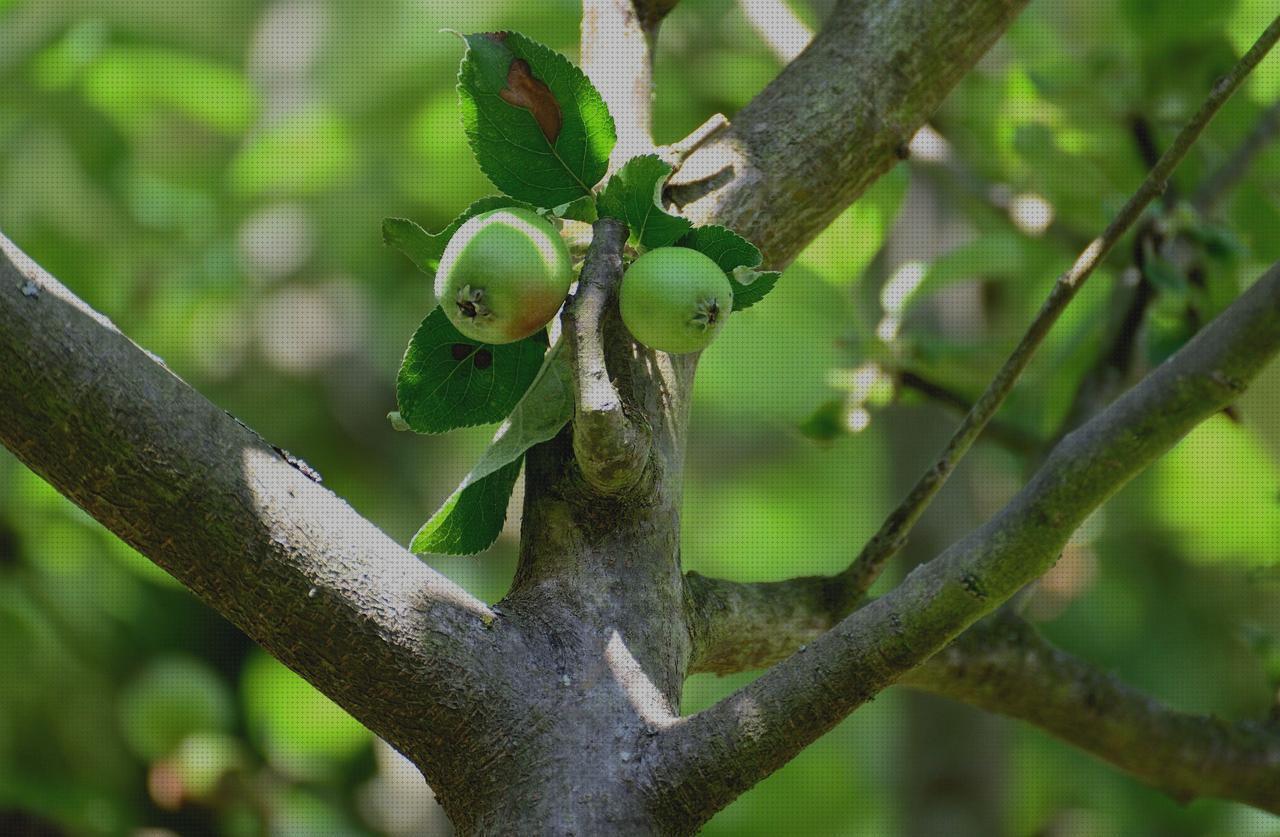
{"type": "Point", "coordinates": [301, 464]}
{"type": "Point", "coordinates": [525, 91]}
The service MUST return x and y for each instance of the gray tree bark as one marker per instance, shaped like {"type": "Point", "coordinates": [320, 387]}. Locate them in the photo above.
{"type": "Point", "coordinates": [557, 710]}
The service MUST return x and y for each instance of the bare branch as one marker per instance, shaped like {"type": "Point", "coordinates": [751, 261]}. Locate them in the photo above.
{"type": "Point", "coordinates": [1010, 436]}
{"type": "Point", "coordinates": [1003, 665]}
{"type": "Point", "coordinates": [677, 152]}
{"type": "Point", "coordinates": [778, 26]}
{"type": "Point", "coordinates": [713, 756]}
{"type": "Point", "coordinates": [241, 523]}
{"type": "Point", "coordinates": [610, 442]}
{"type": "Point", "coordinates": [893, 533]}
{"type": "Point", "coordinates": [617, 54]}
{"type": "Point", "coordinates": [1227, 175]}
{"type": "Point", "coordinates": [739, 626]}
{"type": "Point", "coordinates": [835, 119]}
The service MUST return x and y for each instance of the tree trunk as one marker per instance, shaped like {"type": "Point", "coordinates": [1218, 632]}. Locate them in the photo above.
{"type": "Point", "coordinates": [597, 608]}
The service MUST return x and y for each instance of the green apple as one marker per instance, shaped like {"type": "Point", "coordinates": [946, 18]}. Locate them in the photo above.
{"type": "Point", "coordinates": [675, 299]}
{"type": "Point", "coordinates": [503, 275]}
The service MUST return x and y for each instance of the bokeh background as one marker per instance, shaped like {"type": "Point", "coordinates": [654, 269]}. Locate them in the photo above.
{"type": "Point", "coordinates": [212, 174]}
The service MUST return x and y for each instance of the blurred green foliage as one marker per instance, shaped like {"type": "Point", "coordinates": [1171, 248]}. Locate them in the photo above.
{"type": "Point", "coordinates": [212, 175]}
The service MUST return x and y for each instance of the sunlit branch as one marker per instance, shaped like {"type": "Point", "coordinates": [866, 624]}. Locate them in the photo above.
{"type": "Point", "coordinates": [244, 525]}
{"type": "Point", "coordinates": [610, 442]}
{"type": "Point", "coordinates": [833, 120]}
{"type": "Point", "coordinates": [617, 55]}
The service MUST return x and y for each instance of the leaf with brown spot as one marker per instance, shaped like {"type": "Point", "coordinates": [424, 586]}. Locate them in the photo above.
{"type": "Point", "coordinates": [471, 518]}
{"type": "Point", "coordinates": [448, 380]}
{"type": "Point", "coordinates": [525, 91]}
{"type": "Point", "coordinates": [537, 126]}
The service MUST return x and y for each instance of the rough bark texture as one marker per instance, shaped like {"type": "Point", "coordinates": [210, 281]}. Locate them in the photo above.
{"type": "Point", "coordinates": [835, 119]}
{"type": "Point", "coordinates": [248, 530]}
{"type": "Point", "coordinates": [598, 592]}
{"type": "Point", "coordinates": [1003, 665]}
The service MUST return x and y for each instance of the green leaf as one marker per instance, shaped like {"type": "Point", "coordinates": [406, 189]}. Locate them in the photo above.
{"type": "Point", "coordinates": [537, 126]}
{"type": "Point", "coordinates": [449, 381]}
{"type": "Point", "coordinates": [738, 258]}
{"type": "Point", "coordinates": [472, 518]}
{"type": "Point", "coordinates": [634, 195]}
{"type": "Point", "coordinates": [750, 286]}
{"type": "Point", "coordinates": [545, 408]}
{"type": "Point", "coordinates": [425, 249]}
{"type": "Point", "coordinates": [724, 246]}
{"type": "Point", "coordinates": [583, 209]}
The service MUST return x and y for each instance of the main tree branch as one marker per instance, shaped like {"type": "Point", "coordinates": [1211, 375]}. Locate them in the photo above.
{"type": "Point", "coordinates": [241, 523]}
{"type": "Point", "coordinates": [713, 756]}
{"type": "Point", "coordinates": [835, 119]}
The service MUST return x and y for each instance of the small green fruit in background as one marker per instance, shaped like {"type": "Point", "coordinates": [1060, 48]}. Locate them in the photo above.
{"type": "Point", "coordinates": [675, 299]}
{"type": "Point", "coordinates": [503, 275]}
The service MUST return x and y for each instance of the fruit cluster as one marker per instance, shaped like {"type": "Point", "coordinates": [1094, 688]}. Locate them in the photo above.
{"type": "Point", "coordinates": [506, 272]}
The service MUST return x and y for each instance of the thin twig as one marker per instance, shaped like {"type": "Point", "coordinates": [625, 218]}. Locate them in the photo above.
{"type": "Point", "coordinates": [676, 153]}
{"type": "Point", "coordinates": [1226, 176]}
{"type": "Point", "coordinates": [1013, 438]}
{"type": "Point", "coordinates": [892, 535]}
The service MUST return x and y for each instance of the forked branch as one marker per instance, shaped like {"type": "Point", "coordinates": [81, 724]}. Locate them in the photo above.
{"type": "Point", "coordinates": [892, 535]}
{"type": "Point", "coordinates": [713, 756]}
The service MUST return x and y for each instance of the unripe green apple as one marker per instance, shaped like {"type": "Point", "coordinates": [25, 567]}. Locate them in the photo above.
{"type": "Point", "coordinates": [675, 299]}
{"type": "Point", "coordinates": [503, 275]}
